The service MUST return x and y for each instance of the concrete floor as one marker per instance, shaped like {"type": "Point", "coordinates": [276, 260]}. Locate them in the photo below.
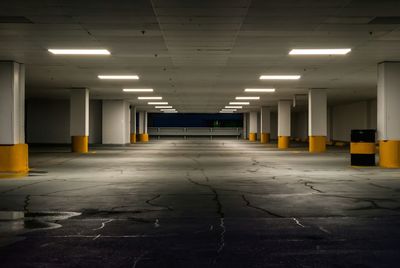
{"type": "Point", "coordinates": [200, 203]}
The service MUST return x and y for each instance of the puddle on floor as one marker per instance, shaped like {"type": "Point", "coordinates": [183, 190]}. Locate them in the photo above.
{"type": "Point", "coordinates": [13, 229]}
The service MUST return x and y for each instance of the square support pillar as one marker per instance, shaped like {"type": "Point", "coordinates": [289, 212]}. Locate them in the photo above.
{"type": "Point", "coordinates": [116, 129]}
{"type": "Point", "coordinates": [284, 117]}
{"type": "Point", "coordinates": [388, 114]}
{"type": "Point", "coordinates": [253, 125]}
{"type": "Point", "coordinates": [265, 124]}
{"type": "Point", "coordinates": [13, 150]}
{"type": "Point", "coordinates": [143, 135]}
{"type": "Point", "coordinates": [133, 124]}
{"type": "Point", "coordinates": [244, 134]}
{"type": "Point", "coordinates": [79, 120]}
{"type": "Point", "coordinates": [317, 120]}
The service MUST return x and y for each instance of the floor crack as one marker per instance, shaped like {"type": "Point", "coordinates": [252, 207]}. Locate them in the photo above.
{"type": "Point", "coordinates": [149, 201]}
{"type": "Point", "coordinates": [259, 208]}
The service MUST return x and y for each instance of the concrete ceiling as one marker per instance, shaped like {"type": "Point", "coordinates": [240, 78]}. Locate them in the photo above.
{"type": "Point", "coordinates": [199, 55]}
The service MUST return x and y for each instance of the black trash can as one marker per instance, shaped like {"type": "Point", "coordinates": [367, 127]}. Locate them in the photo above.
{"type": "Point", "coordinates": [362, 147]}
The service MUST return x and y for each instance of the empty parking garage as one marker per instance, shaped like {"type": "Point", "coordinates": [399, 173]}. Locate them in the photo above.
{"type": "Point", "coordinates": [199, 133]}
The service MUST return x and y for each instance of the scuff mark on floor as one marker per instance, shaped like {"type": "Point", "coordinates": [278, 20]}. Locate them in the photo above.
{"type": "Point", "coordinates": [103, 224]}
{"type": "Point", "coordinates": [298, 222]}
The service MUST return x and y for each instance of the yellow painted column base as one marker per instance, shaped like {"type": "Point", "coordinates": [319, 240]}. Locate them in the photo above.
{"type": "Point", "coordinates": [80, 144]}
{"type": "Point", "coordinates": [144, 137]}
{"type": "Point", "coordinates": [133, 138]}
{"type": "Point", "coordinates": [317, 144]}
{"type": "Point", "coordinates": [283, 142]}
{"type": "Point", "coordinates": [264, 137]}
{"type": "Point", "coordinates": [252, 136]}
{"type": "Point", "coordinates": [389, 154]}
{"type": "Point", "coordinates": [14, 158]}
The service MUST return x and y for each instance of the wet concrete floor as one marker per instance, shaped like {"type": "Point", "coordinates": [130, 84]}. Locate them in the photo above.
{"type": "Point", "coordinates": [200, 203]}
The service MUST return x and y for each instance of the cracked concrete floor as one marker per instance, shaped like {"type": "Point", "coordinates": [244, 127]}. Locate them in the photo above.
{"type": "Point", "coordinates": [200, 203]}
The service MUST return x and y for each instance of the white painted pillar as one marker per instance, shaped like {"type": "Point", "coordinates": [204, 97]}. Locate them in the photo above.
{"type": "Point", "coordinates": [79, 120]}
{"type": "Point", "coordinates": [317, 120]}
{"type": "Point", "coordinates": [143, 135]}
{"type": "Point", "coordinates": [388, 114]}
{"type": "Point", "coordinates": [265, 124]}
{"type": "Point", "coordinates": [116, 119]}
{"type": "Point", "coordinates": [284, 130]}
{"type": "Point", "coordinates": [133, 124]}
{"type": "Point", "coordinates": [13, 150]}
{"type": "Point", "coordinates": [253, 125]}
{"type": "Point", "coordinates": [244, 126]}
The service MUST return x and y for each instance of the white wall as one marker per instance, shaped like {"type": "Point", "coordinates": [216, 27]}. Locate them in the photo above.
{"type": "Point", "coordinates": [359, 115]}
{"type": "Point", "coordinates": [47, 121]}
{"type": "Point", "coordinates": [95, 122]}
{"type": "Point", "coordinates": [300, 124]}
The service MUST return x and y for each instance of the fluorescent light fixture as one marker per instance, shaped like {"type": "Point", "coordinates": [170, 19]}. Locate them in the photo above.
{"type": "Point", "coordinates": [247, 98]}
{"type": "Point", "coordinates": [334, 51]}
{"type": "Point", "coordinates": [137, 90]}
{"type": "Point", "coordinates": [163, 107]}
{"type": "Point", "coordinates": [229, 110]}
{"type": "Point", "coordinates": [280, 77]}
{"type": "Point", "coordinates": [79, 51]}
{"type": "Point", "coordinates": [239, 103]}
{"type": "Point", "coordinates": [233, 107]}
{"type": "Point", "coordinates": [168, 110]}
{"type": "Point", "coordinates": [259, 90]}
{"type": "Point", "coordinates": [149, 98]}
{"type": "Point", "coordinates": [119, 77]}
{"type": "Point", "coordinates": [158, 103]}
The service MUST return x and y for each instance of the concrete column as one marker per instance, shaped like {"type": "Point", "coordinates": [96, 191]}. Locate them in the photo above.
{"type": "Point", "coordinates": [253, 125]}
{"type": "Point", "coordinates": [388, 114]}
{"type": "Point", "coordinates": [284, 110]}
{"type": "Point", "coordinates": [133, 124]}
{"type": "Point", "coordinates": [244, 126]}
{"type": "Point", "coordinates": [79, 120]}
{"type": "Point", "coordinates": [116, 129]}
{"type": "Point", "coordinates": [265, 124]}
{"type": "Point", "coordinates": [143, 135]}
{"type": "Point", "coordinates": [13, 150]}
{"type": "Point", "coordinates": [317, 120]}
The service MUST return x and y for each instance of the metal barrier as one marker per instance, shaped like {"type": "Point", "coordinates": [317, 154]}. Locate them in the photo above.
{"type": "Point", "coordinates": [195, 132]}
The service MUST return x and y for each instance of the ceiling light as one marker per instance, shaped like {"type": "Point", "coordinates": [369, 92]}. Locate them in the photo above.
{"type": "Point", "coordinates": [79, 51]}
{"type": "Point", "coordinates": [233, 110]}
{"type": "Point", "coordinates": [119, 77]}
{"type": "Point", "coordinates": [259, 90]}
{"type": "Point", "coordinates": [247, 98]}
{"type": "Point", "coordinates": [163, 107]}
{"type": "Point", "coordinates": [280, 77]}
{"type": "Point", "coordinates": [149, 98]}
{"type": "Point", "coordinates": [168, 110]}
{"type": "Point", "coordinates": [239, 103]}
{"type": "Point", "coordinates": [137, 90]}
{"type": "Point", "coordinates": [336, 51]}
{"type": "Point", "coordinates": [226, 112]}
{"type": "Point", "coordinates": [158, 103]}
{"type": "Point", "coordinates": [171, 112]}
{"type": "Point", "coordinates": [233, 107]}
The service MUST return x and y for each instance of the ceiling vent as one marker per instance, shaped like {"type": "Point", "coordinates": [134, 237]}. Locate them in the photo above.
{"type": "Point", "coordinates": [14, 19]}
{"type": "Point", "coordinates": [385, 20]}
